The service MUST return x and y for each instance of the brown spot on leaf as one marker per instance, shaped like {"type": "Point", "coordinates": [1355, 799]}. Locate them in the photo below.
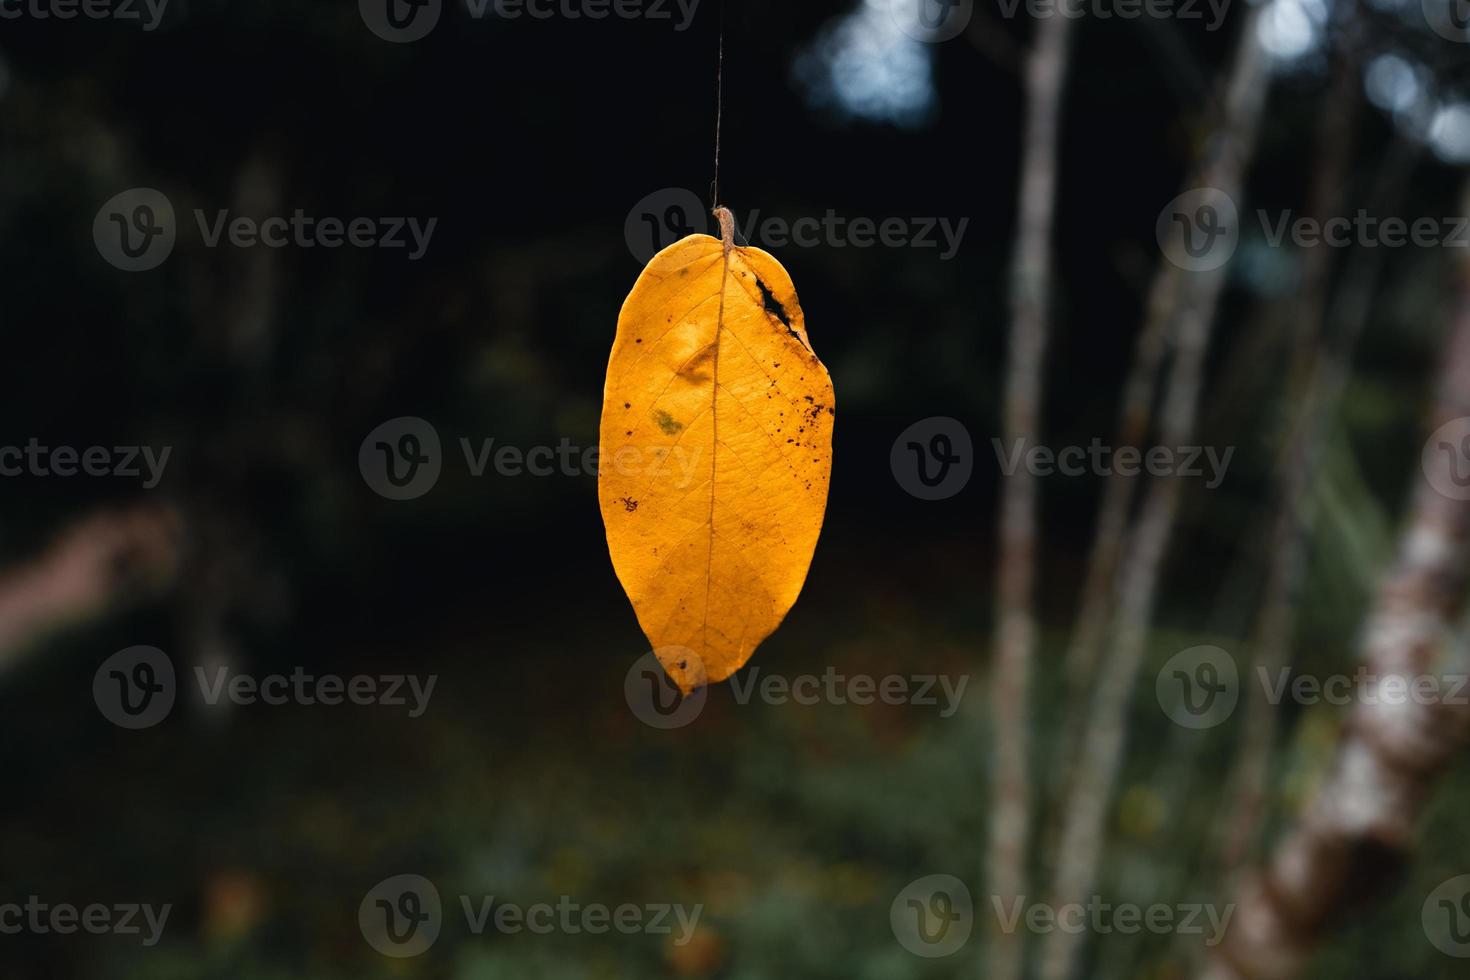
{"type": "Point", "coordinates": [700, 367]}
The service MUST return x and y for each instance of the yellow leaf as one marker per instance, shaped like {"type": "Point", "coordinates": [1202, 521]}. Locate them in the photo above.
{"type": "Point", "coordinates": [716, 452]}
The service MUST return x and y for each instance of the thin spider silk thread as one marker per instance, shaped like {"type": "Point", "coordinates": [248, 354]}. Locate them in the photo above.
{"type": "Point", "coordinates": [719, 108]}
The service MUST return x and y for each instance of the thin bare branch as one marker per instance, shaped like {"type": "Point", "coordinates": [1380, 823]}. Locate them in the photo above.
{"type": "Point", "coordinates": [1102, 747]}
{"type": "Point", "coordinates": [1015, 634]}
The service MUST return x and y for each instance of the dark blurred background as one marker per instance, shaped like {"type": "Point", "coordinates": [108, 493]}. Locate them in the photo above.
{"type": "Point", "coordinates": [535, 143]}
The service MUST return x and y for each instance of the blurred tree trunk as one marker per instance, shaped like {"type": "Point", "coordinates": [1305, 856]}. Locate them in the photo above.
{"type": "Point", "coordinates": [98, 564]}
{"type": "Point", "coordinates": [1298, 467]}
{"type": "Point", "coordinates": [1357, 833]}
